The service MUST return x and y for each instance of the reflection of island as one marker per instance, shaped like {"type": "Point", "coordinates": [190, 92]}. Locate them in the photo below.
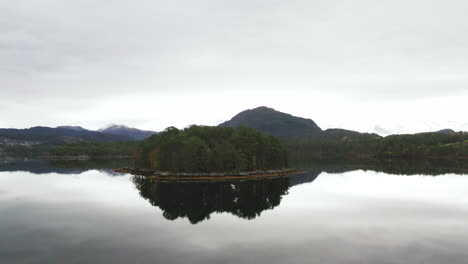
{"type": "Point", "coordinates": [198, 200]}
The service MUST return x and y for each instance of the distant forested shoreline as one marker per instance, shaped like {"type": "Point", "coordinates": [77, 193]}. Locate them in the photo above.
{"type": "Point", "coordinates": [418, 146]}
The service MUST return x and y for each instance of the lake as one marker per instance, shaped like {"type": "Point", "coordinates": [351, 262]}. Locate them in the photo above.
{"type": "Point", "coordinates": [52, 212]}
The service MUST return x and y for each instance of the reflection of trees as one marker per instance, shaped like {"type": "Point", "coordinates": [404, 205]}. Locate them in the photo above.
{"type": "Point", "coordinates": [395, 166]}
{"type": "Point", "coordinates": [197, 200]}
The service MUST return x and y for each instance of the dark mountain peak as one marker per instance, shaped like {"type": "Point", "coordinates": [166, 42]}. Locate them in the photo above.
{"type": "Point", "coordinates": [445, 131]}
{"type": "Point", "coordinates": [283, 125]}
{"type": "Point", "coordinates": [36, 128]}
{"type": "Point", "coordinates": [75, 128]}
{"type": "Point", "coordinates": [263, 108]}
{"type": "Point", "coordinates": [275, 123]}
{"type": "Point", "coordinates": [122, 130]}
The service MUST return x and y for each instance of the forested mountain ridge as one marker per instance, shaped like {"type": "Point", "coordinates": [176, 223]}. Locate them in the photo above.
{"type": "Point", "coordinates": [70, 134]}
{"type": "Point", "coordinates": [67, 141]}
{"type": "Point", "coordinates": [417, 146]}
{"type": "Point", "coordinates": [40, 134]}
{"type": "Point", "coordinates": [445, 131]}
{"type": "Point", "coordinates": [282, 125]}
{"type": "Point", "coordinates": [301, 137]}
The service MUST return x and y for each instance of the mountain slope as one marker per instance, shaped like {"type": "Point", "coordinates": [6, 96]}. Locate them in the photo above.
{"type": "Point", "coordinates": [122, 130]}
{"type": "Point", "coordinates": [338, 133]}
{"type": "Point", "coordinates": [445, 131]}
{"type": "Point", "coordinates": [282, 125]}
{"type": "Point", "coordinates": [57, 135]}
{"type": "Point", "coordinates": [275, 123]}
{"type": "Point", "coordinates": [76, 128]}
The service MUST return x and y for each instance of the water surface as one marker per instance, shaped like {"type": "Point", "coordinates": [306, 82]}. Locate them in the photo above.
{"type": "Point", "coordinates": [56, 213]}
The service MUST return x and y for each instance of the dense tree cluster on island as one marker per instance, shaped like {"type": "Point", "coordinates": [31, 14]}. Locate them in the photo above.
{"type": "Point", "coordinates": [211, 149]}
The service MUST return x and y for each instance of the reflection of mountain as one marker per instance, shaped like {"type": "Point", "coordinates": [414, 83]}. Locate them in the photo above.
{"type": "Point", "coordinates": [35, 166]}
{"type": "Point", "coordinates": [64, 167]}
{"type": "Point", "coordinates": [397, 166]}
{"type": "Point", "coordinates": [309, 176]}
{"type": "Point", "coordinates": [313, 168]}
{"type": "Point", "coordinates": [198, 200]}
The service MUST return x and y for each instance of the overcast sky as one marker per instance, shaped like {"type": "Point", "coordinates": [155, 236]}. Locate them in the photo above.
{"type": "Point", "coordinates": [377, 66]}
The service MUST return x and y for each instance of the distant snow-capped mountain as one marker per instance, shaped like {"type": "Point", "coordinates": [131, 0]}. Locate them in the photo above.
{"type": "Point", "coordinates": [131, 132]}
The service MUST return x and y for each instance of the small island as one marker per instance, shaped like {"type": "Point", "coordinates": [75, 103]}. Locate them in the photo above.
{"type": "Point", "coordinates": [211, 152]}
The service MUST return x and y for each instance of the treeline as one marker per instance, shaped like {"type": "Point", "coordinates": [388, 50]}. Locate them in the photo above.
{"type": "Point", "coordinates": [199, 149]}
{"type": "Point", "coordinates": [417, 146]}
{"type": "Point", "coordinates": [211, 149]}
{"type": "Point", "coordinates": [95, 149]}
{"type": "Point", "coordinates": [92, 149]}
{"type": "Point", "coordinates": [24, 150]}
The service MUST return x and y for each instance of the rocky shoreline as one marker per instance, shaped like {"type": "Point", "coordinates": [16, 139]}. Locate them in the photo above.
{"type": "Point", "coordinates": [87, 157]}
{"type": "Point", "coordinates": [160, 175]}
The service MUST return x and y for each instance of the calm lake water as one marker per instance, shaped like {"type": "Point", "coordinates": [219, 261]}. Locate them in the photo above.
{"type": "Point", "coordinates": [86, 213]}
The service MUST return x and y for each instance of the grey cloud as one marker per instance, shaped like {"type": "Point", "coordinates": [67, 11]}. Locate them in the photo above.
{"type": "Point", "coordinates": [89, 50]}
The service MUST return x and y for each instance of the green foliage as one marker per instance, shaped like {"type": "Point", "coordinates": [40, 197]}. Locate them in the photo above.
{"type": "Point", "coordinates": [125, 148]}
{"type": "Point", "coordinates": [423, 145]}
{"type": "Point", "coordinates": [211, 149]}
{"type": "Point", "coordinates": [93, 149]}
{"type": "Point", "coordinates": [24, 150]}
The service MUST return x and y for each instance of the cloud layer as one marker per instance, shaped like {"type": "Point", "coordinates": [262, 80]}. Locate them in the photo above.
{"type": "Point", "coordinates": [63, 59]}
